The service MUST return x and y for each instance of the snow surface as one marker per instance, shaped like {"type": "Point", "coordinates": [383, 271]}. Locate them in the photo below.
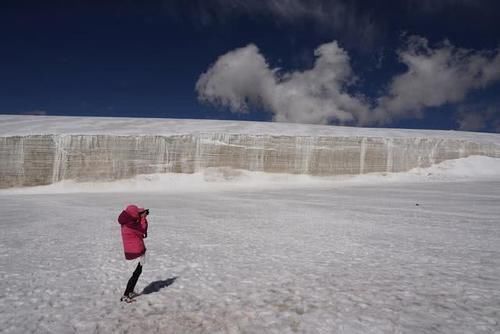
{"type": "Point", "coordinates": [407, 253]}
{"type": "Point", "coordinates": [15, 125]}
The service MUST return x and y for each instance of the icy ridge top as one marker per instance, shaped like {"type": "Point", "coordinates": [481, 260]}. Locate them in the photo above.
{"type": "Point", "coordinates": [16, 125]}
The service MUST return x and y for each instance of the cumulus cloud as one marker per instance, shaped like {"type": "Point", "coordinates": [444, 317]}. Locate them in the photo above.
{"type": "Point", "coordinates": [238, 78]}
{"type": "Point", "coordinates": [434, 77]}
{"type": "Point", "coordinates": [242, 78]}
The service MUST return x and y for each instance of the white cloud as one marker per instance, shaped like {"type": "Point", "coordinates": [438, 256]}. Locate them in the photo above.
{"type": "Point", "coordinates": [243, 77]}
{"type": "Point", "coordinates": [434, 77]}
{"type": "Point", "coordinates": [238, 78]}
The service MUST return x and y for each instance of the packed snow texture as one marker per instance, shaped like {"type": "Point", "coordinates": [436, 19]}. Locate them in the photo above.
{"type": "Point", "coordinates": [45, 150]}
{"type": "Point", "coordinates": [415, 252]}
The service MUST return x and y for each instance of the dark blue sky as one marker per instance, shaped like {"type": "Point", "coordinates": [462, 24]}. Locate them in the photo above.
{"type": "Point", "coordinates": [131, 59]}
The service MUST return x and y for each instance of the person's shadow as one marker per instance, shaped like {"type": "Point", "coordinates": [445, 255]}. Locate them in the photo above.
{"type": "Point", "coordinates": [158, 285]}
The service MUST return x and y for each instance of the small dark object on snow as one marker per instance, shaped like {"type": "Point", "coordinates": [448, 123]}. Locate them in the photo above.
{"type": "Point", "coordinates": [417, 204]}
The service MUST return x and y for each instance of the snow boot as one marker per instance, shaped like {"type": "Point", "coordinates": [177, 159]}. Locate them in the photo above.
{"type": "Point", "coordinates": [127, 299]}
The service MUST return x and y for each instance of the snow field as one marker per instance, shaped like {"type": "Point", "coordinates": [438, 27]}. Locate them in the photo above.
{"type": "Point", "coordinates": [358, 258]}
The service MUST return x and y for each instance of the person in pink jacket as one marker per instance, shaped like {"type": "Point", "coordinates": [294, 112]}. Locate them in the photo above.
{"type": "Point", "coordinates": [134, 226]}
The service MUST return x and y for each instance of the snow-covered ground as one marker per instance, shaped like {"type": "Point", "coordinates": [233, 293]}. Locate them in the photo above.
{"type": "Point", "coordinates": [409, 253]}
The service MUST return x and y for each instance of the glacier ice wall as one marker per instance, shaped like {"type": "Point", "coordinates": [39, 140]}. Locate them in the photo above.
{"type": "Point", "coordinates": [31, 160]}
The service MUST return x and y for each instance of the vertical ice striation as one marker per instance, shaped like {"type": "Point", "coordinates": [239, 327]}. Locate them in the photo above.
{"type": "Point", "coordinates": [389, 166]}
{"type": "Point", "coordinates": [44, 159]}
{"type": "Point", "coordinates": [362, 156]}
{"type": "Point", "coordinates": [59, 167]}
{"type": "Point", "coordinates": [26, 160]}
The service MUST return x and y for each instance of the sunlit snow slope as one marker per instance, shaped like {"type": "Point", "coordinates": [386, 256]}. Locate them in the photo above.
{"type": "Point", "coordinates": [37, 150]}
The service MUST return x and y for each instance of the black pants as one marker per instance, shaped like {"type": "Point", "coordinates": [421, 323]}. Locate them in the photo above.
{"type": "Point", "coordinates": [133, 280]}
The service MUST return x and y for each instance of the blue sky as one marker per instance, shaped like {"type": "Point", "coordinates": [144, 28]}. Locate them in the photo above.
{"type": "Point", "coordinates": [413, 64]}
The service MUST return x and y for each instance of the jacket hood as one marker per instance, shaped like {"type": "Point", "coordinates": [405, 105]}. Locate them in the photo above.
{"type": "Point", "coordinates": [133, 211]}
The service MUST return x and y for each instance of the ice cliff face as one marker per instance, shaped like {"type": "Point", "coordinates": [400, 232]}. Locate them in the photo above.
{"type": "Point", "coordinates": [28, 160]}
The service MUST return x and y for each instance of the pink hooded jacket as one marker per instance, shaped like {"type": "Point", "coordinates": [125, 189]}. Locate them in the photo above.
{"type": "Point", "coordinates": [134, 230]}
